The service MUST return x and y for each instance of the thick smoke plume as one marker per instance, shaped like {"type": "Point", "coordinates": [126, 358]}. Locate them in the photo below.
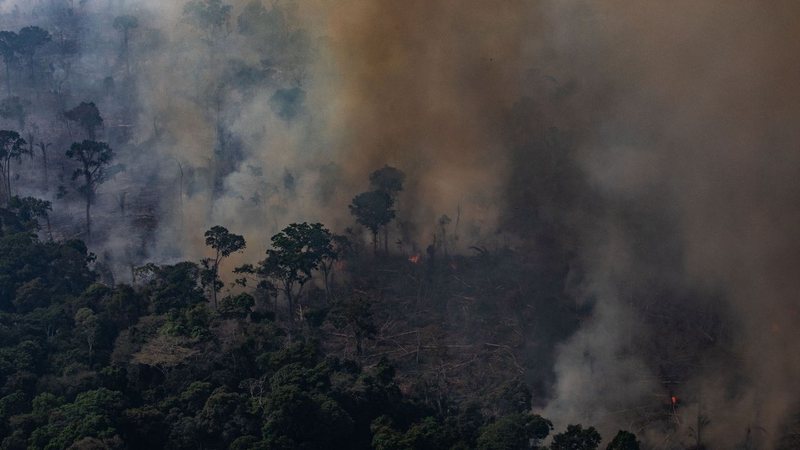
{"type": "Point", "coordinates": [690, 108]}
{"type": "Point", "coordinates": [681, 118]}
{"type": "Point", "coordinates": [427, 96]}
{"type": "Point", "coordinates": [424, 86]}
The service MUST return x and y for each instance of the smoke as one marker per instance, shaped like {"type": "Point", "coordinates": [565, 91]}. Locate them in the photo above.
{"type": "Point", "coordinates": [654, 141]}
{"type": "Point", "coordinates": [427, 96]}
{"type": "Point", "coordinates": [698, 129]}
{"type": "Point", "coordinates": [681, 124]}
{"type": "Point", "coordinates": [423, 86]}
{"type": "Point", "coordinates": [226, 115]}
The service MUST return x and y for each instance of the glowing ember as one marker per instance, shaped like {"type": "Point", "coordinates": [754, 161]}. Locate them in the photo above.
{"type": "Point", "coordinates": [674, 400]}
{"type": "Point", "coordinates": [414, 259]}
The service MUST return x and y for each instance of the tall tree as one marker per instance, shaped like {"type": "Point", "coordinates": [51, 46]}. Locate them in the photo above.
{"type": "Point", "coordinates": [12, 147]}
{"type": "Point", "coordinates": [390, 180]}
{"type": "Point", "coordinates": [14, 108]}
{"type": "Point", "coordinates": [296, 252]}
{"type": "Point", "coordinates": [443, 222]}
{"type": "Point", "coordinates": [373, 210]}
{"type": "Point", "coordinates": [224, 244]}
{"type": "Point", "coordinates": [94, 157]}
{"type": "Point", "coordinates": [8, 45]}
{"type": "Point", "coordinates": [87, 116]}
{"type": "Point", "coordinates": [29, 41]}
{"type": "Point", "coordinates": [323, 243]}
{"type": "Point", "coordinates": [88, 326]}
{"type": "Point", "coordinates": [43, 146]}
{"type": "Point", "coordinates": [124, 24]}
{"type": "Point", "coordinates": [354, 315]}
{"type": "Point", "coordinates": [334, 247]}
{"type": "Point", "coordinates": [210, 16]}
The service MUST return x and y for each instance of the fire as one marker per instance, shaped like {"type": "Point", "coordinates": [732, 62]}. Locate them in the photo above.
{"type": "Point", "coordinates": [674, 400]}
{"type": "Point", "coordinates": [414, 259]}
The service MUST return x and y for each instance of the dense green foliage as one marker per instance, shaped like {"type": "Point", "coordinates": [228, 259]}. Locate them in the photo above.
{"type": "Point", "coordinates": [89, 365]}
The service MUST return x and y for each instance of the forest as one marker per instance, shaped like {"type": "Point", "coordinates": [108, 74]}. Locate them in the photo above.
{"type": "Point", "coordinates": [251, 224]}
{"type": "Point", "coordinates": [165, 363]}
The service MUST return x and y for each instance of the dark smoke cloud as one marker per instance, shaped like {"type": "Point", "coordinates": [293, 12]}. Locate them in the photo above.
{"type": "Point", "coordinates": [423, 86]}
{"type": "Point", "coordinates": [699, 129]}
{"type": "Point", "coordinates": [679, 117]}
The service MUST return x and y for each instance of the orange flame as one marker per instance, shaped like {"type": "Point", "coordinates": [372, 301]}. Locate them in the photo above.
{"type": "Point", "coordinates": [674, 400]}
{"type": "Point", "coordinates": [414, 259]}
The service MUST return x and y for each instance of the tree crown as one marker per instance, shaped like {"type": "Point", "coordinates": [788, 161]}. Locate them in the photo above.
{"type": "Point", "coordinates": [297, 251]}
{"type": "Point", "coordinates": [12, 146]}
{"type": "Point", "coordinates": [30, 39]}
{"type": "Point", "coordinates": [373, 209]}
{"type": "Point", "coordinates": [126, 22]}
{"type": "Point", "coordinates": [87, 116]}
{"type": "Point", "coordinates": [388, 179]}
{"type": "Point", "coordinates": [208, 13]}
{"type": "Point", "coordinates": [222, 240]}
